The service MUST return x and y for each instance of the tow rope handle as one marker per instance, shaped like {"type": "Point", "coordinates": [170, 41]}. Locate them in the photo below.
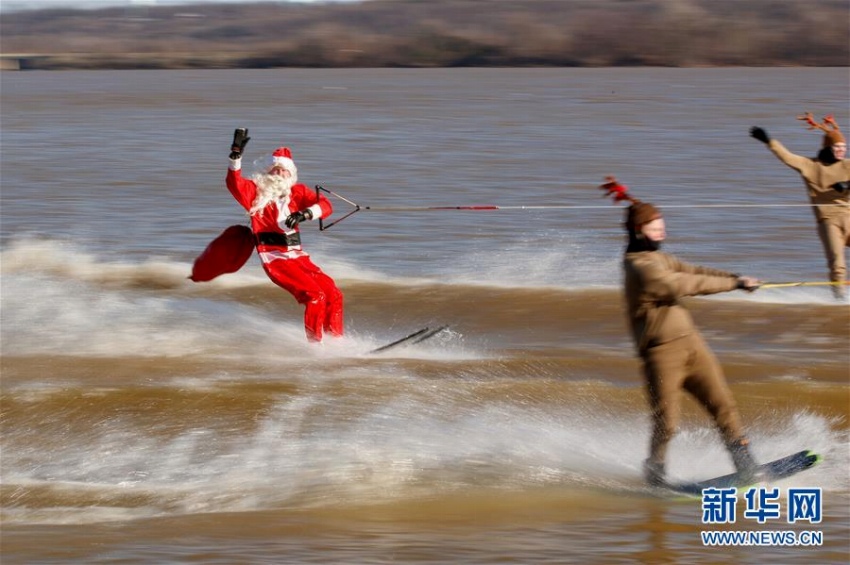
{"type": "Point", "coordinates": [815, 283]}
{"type": "Point", "coordinates": [324, 226]}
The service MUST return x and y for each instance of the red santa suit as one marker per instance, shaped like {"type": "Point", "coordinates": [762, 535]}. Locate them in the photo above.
{"type": "Point", "coordinates": [280, 251]}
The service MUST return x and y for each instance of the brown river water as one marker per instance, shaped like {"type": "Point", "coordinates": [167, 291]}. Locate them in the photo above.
{"type": "Point", "coordinates": [148, 419]}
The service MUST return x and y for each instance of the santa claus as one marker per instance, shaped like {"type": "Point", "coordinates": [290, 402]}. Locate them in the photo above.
{"type": "Point", "coordinates": [276, 203]}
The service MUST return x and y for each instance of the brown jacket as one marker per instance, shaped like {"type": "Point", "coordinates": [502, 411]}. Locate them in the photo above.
{"type": "Point", "coordinates": [819, 178]}
{"type": "Point", "coordinates": [655, 282]}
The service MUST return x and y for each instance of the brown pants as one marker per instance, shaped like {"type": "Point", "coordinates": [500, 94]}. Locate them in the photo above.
{"type": "Point", "coordinates": [835, 235]}
{"type": "Point", "coordinates": [686, 363]}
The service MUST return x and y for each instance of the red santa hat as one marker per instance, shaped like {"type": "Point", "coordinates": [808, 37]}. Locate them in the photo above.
{"type": "Point", "coordinates": [282, 157]}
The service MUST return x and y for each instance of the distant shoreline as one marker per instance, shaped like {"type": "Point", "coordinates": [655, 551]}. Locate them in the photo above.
{"type": "Point", "coordinates": [92, 62]}
{"type": "Point", "coordinates": [433, 34]}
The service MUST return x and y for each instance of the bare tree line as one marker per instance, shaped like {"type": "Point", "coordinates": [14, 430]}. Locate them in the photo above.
{"type": "Point", "coordinates": [439, 33]}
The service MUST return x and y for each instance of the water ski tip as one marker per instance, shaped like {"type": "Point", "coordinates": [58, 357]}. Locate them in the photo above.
{"type": "Point", "coordinates": [416, 337]}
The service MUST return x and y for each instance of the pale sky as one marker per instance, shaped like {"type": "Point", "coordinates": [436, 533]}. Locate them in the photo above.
{"type": "Point", "coordinates": [13, 5]}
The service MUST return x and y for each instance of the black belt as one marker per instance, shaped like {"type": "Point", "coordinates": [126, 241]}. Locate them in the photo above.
{"type": "Point", "coordinates": [274, 238]}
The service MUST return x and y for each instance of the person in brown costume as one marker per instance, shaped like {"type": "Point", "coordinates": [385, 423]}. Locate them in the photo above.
{"type": "Point", "coordinates": [827, 179]}
{"type": "Point", "coordinates": [673, 352]}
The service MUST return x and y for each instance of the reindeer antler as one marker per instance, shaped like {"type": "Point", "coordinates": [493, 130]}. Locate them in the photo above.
{"type": "Point", "coordinates": [809, 118]}
{"type": "Point", "coordinates": [830, 120]}
{"type": "Point", "coordinates": [610, 181]}
{"type": "Point", "coordinates": [615, 189]}
{"type": "Point", "coordinates": [829, 123]}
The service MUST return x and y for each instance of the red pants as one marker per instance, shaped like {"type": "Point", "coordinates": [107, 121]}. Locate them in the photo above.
{"type": "Point", "coordinates": [313, 288]}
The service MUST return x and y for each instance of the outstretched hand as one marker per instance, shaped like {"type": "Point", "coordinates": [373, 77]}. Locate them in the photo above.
{"type": "Point", "coordinates": [750, 284]}
{"type": "Point", "coordinates": [760, 134]}
{"type": "Point", "coordinates": [240, 140]}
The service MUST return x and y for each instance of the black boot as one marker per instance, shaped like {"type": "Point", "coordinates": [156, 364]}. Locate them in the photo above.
{"type": "Point", "coordinates": [744, 463]}
{"type": "Point", "coordinates": [653, 472]}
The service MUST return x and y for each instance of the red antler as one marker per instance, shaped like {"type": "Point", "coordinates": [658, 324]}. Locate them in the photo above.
{"type": "Point", "coordinates": [829, 123]}
{"type": "Point", "coordinates": [810, 119]}
{"type": "Point", "coordinates": [618, 192]}
{"type": "Point", "coordinates": [829, 120]}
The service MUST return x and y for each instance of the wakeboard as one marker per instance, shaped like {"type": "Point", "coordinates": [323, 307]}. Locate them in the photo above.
{"type": "Point", "coordinates": [767, 472]}
{"type": "Point", "coordinates": [416, 337]}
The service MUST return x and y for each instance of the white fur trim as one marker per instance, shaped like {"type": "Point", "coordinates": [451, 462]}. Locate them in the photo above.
{"type": "Point", "coordinates": [235, 164]}
{"type": "Point", "coordinates": [293, 253]}
{"type": "Point", "coordinates": [316, 210]}
{"type": "Point", "coordinates": [286, 163]}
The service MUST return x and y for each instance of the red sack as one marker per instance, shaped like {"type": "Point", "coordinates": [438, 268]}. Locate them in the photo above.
{"type": "Point", "coordinates": [225, 254]}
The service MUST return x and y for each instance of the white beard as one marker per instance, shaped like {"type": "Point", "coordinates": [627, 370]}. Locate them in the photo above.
{"type": "Point", "coordinates": [270, 188]}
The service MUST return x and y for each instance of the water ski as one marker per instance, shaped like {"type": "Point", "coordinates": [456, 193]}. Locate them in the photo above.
{"type": "Point", "coordinates": [767, 472]}
{"type": "Point", "coordinates": [416, 337]}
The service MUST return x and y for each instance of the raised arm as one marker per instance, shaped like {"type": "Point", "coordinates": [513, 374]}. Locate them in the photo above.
{"type": "Point", "coordinates": [796, 162]}
{"type": "Point", "coordinates": [242, 189]}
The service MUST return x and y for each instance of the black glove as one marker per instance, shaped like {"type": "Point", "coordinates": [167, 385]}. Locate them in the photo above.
{"type": "Point", "coordinates": [748, 284]}
{"type": "Point", "coordinates": [759, 134]}
{"type": "Point", "coordinates": [240, 140]}
{"type": "Point", "coordinates": [841, 187]}
{"type": "Point", "coordinates": [298, 217]}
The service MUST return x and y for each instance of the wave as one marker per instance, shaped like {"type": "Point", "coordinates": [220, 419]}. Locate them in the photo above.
{"type": "Point", "coordinates": [547, 271]}
{"type": "Point", "coordinates": [60, 300]}
{"type": "Point", "coordinates": [250, 449]}
{"type": "Point", "coordinates": [228, 409]}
